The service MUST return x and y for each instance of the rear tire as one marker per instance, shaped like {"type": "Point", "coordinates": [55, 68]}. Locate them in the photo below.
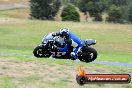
{"type": "Point", "coordinates": [88, 54]}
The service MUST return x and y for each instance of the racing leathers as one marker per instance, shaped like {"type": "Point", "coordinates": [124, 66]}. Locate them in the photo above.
{"type": "Point", "coordinates": [71, 40]}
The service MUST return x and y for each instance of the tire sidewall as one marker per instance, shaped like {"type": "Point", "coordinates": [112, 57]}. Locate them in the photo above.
{"type": "Point", "coordinates": [91, 50]}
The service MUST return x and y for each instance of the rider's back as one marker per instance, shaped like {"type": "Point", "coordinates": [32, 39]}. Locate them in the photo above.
{"type": "Point", "coordinates": [76, 41]}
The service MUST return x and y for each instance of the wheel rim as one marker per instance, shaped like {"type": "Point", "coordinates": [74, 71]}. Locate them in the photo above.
{"type": "Point", "coordinates": [87, 56]}
{"type": "Point", "coordinates": [91, 55]}
{"type": "Point", "coordinates": [40, 52]}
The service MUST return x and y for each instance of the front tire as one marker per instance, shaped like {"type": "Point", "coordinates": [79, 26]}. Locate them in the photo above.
{"type": "Point", "coordinates": [88, 54]}
{"type": "Point", "coordinates": [40, 52]}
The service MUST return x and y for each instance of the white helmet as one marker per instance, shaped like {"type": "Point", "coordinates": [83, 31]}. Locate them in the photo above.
{"type": "Point", "coordinates": [64, 31]}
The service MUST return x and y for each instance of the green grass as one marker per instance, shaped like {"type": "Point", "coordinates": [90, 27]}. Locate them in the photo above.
{"type": "Point", "coordinates": [20, 36]}
{"type": "Point", "coordinates": [114, 41]}
{"type": "Point", "coordinates": [52, 76]}
{"type": "Point", "coordinates": [6, 82]}
{"type": "Point", "coordinates": [21, 13]}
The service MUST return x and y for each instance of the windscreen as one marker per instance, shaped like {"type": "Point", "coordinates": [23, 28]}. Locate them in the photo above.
{"type": "Point", "coordinates": [47, 37]}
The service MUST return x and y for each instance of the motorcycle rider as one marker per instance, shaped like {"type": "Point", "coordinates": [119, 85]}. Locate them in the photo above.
{"type": "Point", "coordinates": [71, 40]}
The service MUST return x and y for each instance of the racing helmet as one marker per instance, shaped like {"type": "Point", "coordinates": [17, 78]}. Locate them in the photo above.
{"type": "Point", "coordinates": [64, 32]}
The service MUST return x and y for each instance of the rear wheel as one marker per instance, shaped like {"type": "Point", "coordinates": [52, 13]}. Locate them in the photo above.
{"type": "Point", "coordinates": [88, 54]}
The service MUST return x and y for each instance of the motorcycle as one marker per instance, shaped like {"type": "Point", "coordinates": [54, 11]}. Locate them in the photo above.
{"type": "Point", "coordinates": [86, 54]}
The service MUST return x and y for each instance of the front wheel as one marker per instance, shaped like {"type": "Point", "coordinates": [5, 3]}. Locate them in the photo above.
{"type": "Point", "coordinates": [88, 54]}
{"type": "Point", "coordinates": [40, 52]}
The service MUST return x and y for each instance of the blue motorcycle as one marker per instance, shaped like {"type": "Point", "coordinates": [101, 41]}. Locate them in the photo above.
{"type": "Point", "coordinates": [45, 49]}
